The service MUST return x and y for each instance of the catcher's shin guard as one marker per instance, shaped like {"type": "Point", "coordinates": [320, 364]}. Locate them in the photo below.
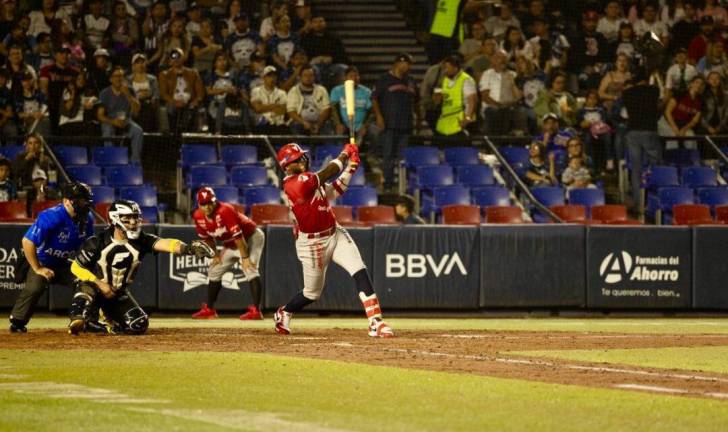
{"type": "Point", "coordinates": [79, 312]}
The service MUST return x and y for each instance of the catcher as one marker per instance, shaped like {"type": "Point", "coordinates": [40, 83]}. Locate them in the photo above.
{"type": "Point", "coordinates": [106, 266]}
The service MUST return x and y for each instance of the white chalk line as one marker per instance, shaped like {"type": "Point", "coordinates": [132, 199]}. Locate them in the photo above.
{"type": "Point", "coordinates": [75, 391]}
{"type": "Point", "coordinates": [12, 376]}
{"type": "Point", "coordinates": [651, 388]}
{"type": "Point", "coordinates": [581, 336]}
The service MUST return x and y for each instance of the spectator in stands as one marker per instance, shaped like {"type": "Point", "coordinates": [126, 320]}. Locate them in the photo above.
{"type": "Point", "coordinates": [497, 25]}
{"type": "Point", "coordinates": [194, 20]}
{"type": "Point", "coordinates": [714, 120]}
{"type": "Point", "coordinates": [268, 26]}
{"type": "Point", "coordinates": [362, 106]}
{"type": "Point", "coordinates": [501, 97]}
{"type": "Point", "coordinates": [308, 106]}
{"type": "Point", "coordinates": [325, 51]}
{"type": "Point", "coordinates": [536, 9]}
{"type": "Point", "coordinates": [404, 210]}
{"type": "Point", "coordinates": [641, 101]}
{"type": "Point", "coordinates": [42, 54]}
{"type": "Point", "coordinates": [291, 76]}
{"type": "Point", "coordinates": [269, 104]}
{"type": "Point", "coordinates": [220, 83]}
{"type": "Point", "coordinates": [154, 27]}
{"type": "Point", "coordinates": [625, 43]}
{"type": "Point", "coordinates": [482, 62]}
{"type": "Point", "coordinates": [98, 73]}
{"type": "Point", "coordinates": [714, 60]}
{"type": "Point", "coordinates": [530, 82]}
{"type": "Point", "coordinates": [7, 109]}
{"type": "Point", "coordinates": [611, 86]}
{"type": "Point", "coordinates": [682, 114]}
{"type": "Point", "coordinates": [32, 157]}
{"type": "Point", "coordinates": [713, 9]}
{"type": "Point", "coordinates": [39, 192]}
{"type": "Point", "coordinates": [671, 12]}
{"type": "Point", "coordinates": [174, 38]}
{"type": "Point", "coordinates": [53, 80]}
{"type": "Point", "coordinates": [458, 98]}
{"type": "Point", "coordinates": [432, 80]}
{"type": "Point", "coordinates": [117, 105]}
{"type": "Point", "coordinates": [551, 136]}
{"type": "Point", "coordinates": [242, 42]}
{"type": "Point", "coordinates": [650, 23]}
{"type": "Point", "coordinates": [515, 44]}
{"type": "Point", "coordinates": [576, 175]}
{"type": "Point", "coordinates": [680, 73]}
{"type": "Point", "coordinates": [8, 15]}
{"type": "Point", "coordinates": [557, 100]}
{"type": "Point", "coordinates": [124, 33]}
{"type": "Point", "coordinates": [595, 131]}
{"type": "Point", "coordinates": [8, 192]}
{"type": "Point", "coordinates": [283, 43]}
{"type": "Point", "coordinates": [31, 108]}
{"type": "Point", "coordinates": [301, 19]}
{"type": "Point", "coordinates": [182, 91]}
{"type": "Point", "coordinates": [72, 41]}
{"type": "Point", "coordinates": [234, 9]}
{"type": "Point", "coordinates": [575, 147]}
{"type": "Point", "coordinates": [252, 76]}
{"type": "Point", "coordinates": [610, 23]}
{"type": "Point", "coordinates": [471, 46]}
{"type": "Point", "coordinates": [394, 100]}
{"type": "Point", "coordinates": [699, 45]}
{"type": "Point", "coordinates": [17, 69]}
{"type": "Point", "coordinates": [685, 29]}
{"type": "Point", "coordinates": [17, 37]}
{"type": "Point", "coordinates": [589, 53]}
{"type": "Point", "coordinates": [549, 48]}
{"type": "Point", "coordinates": [205, 48]}
{"type": "Point", "coordinates": [77, 115]}
{"type": "Point", "coordinates": [538, 172]}
{"type": "Point", "coordinates": [95, 26]}
{"type": "Point", "coordinates": [43, 19]}
{"type": "Point", "coordinates": [145, 89]}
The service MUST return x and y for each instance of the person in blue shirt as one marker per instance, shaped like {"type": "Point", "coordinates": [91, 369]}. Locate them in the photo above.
{"type": "Point", "coordinates": [362, 106]}
{"type": "Point", "coordinates": [49, 245]}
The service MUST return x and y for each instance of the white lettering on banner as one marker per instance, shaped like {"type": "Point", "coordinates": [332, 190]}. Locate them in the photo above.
{"type": "Point", "coordinates": [7, 256]}
{"type": "Point", "coordinates": [417, 265]}
{"type": "Point", "coordinates": [192, 272]}
{"type": "Point", "coordinates": [616, 267]}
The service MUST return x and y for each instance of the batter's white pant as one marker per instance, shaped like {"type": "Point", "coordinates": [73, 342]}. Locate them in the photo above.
{"type": "Point", "coordinates": [315, 255]}
{"type": "Point", "coordinates": [231, 256]}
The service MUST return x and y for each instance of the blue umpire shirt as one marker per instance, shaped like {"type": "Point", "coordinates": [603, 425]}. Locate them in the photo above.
{"type": "Point", "coordinates": [56, 236]}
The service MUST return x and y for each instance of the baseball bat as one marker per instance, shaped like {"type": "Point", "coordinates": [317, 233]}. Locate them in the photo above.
{"type": "Point", "coordinates": [349, 94]}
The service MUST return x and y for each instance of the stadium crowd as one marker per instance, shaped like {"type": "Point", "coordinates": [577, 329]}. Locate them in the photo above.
{"type": "Point", "coordinates": [531, 68]}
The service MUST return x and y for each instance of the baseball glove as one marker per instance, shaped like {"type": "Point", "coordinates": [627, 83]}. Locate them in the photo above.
{"type": "Point", "coordinates": [200, 249]}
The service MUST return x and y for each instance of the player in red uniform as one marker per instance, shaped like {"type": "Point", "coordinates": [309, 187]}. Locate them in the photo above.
{"type": "Point", "coordinates": [319, 239]}
{"type": "Point", "coordinates": [241, 239]}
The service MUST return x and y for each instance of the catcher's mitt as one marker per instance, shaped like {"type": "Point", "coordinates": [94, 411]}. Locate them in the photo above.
{"type": "Point", "coordinates": [200, 249]}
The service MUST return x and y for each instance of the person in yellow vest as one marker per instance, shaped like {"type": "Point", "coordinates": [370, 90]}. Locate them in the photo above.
{"type": "Point", "coordinates": [458, 99]}
{"type": "Point", "coordinates": [446, 30]}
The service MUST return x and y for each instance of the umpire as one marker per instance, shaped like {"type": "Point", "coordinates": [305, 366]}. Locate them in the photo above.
{"type": "Point", "coordinates": [48, 246]}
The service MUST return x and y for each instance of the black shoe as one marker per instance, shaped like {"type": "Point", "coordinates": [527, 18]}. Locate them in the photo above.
{"type": "Point", "coordinates": [18, 329]}
{"type": "Point", "coordinates": [97, 327]}
{"type": "Point", "coordinates": [76, 326]}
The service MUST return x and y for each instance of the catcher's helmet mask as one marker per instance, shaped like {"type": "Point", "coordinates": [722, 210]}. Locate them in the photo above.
{"type": "Point", "coordinates": [127, 216]}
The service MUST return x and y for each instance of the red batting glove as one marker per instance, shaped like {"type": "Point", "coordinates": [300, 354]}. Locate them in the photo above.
{"type": "Point", "coordinates": [354, 159]}
{"type": "Point", "coordinates": [351, 149]}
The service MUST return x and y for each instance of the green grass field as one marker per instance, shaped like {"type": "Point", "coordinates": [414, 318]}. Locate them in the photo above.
{"type": "Point", "coordinates": [134, 390]}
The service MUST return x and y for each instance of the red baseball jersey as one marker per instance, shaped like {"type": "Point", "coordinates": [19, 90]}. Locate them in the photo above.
{"type": "Point", "coordinates": [226, 224]}
{"type": "Point", "coordinates": [307, 200]}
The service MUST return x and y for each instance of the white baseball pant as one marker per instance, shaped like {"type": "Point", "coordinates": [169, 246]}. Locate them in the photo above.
{"type": "Point", "coordinates": [229, 257]}
{"type": "Point", "coordinates": [315, 255]}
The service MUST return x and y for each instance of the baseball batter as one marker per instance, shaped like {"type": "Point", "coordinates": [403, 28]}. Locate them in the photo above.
{"type": "Point", "coordinates": [319, 239]}
{"type": "Point", "coordinates": [242, 241]}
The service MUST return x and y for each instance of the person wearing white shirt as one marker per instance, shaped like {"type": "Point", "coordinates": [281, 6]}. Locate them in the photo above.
{"type": "Point", "coordinates": [496, 26]}
{"type": "Point", "coordinates": [500, 98]}
{"type": "Point", "coordinates": [680, 73]}
{"type": "Point", "coordinates": [650, 23]}
{"type": "Point", "coordinates": [269, 104]}
{"type": "Point", "coordinates": [609, 24]}
{"type": "Point", "coordinates": [39, 19]}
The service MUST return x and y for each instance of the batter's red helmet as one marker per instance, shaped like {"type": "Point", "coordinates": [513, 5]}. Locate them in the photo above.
{"type": "Point", "coordinates": [290, 153]}
{"type": "Point", "coordinates": [205, 196]}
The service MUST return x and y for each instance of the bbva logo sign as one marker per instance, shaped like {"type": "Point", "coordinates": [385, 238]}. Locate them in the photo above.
{"type": "Point", "coordinates": [419, 265]}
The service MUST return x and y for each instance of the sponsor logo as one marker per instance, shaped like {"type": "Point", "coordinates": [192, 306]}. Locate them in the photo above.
{"type": "Point", "coordinates": [418, 265]}
{"type": "Point", "coordinates": [192, 272]}
{"type": "Point", "coordinates": [8, 258]}
{"type": "Point", "coordinates": [621, 266]}
{"type": "Point", "coordinates": [64, 236]}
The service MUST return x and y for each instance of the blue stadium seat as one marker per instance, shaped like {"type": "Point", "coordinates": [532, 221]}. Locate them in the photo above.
{"type": "Point", "coordinates": [359, 196]}
{"type": "Point", "coordinates": [457, 156]}
{"type": "Point", "coordinates": [228, 194]}
{"type": "Point", "coordinates": [145, 196]}
{"type": "Point", "coordinates": [248, 175]}
{"type": "Point", "coordinates": [682, 157]}
{"type": "Point", "coordinates": [71, 155]}
{"type": "Point", "coordinates": [586, 197]}
{"type": "Point", "coordinates": [124, 175]}
{"type": "Point", "coordinates": [713, 196]}
{"type": "Point", "coordinates": [421, 155]}
{"type": "Point", "coordinates": [150, 214]}
{"type": "Point", "coordinates": [197, 154]}
{"type": "Point", "coordinates": [323, 152]}
{"type": "Point", "coordinates": [491, 196]}
{"type": "Point", "coordinates": [671, 196]}
{"type": "Point", "coordinates": [262, 195]}
{"type": "Point", "coordinates": [699, 176]}
{"type": "Point", "coordinates": [515, 155]}
{"type": "Point", "coordinates": [105, 156]}
{"type": "Point", "coordinates": [103, 194]}
{"type": "Point", "coordinates": [661, 176]}
{"type": "Point", "coordinates": [475, 175]}
{"type": "Point", "coordinates": [11, 151]}
{"type": "Point", "coordinates": [548, 196]}
{"type": "Point", "coordinates": [358, 179]}
{"type": "Point", "coordinates": [206, 175]}
{"type": "Point", "coordinates": [429, 176]}
{"type": "Point", "coordinates": [89, 174]}
{"type": "Point", "coordinates": [445, 196]}
{"type": "Point", "coordinates": [239, 155]}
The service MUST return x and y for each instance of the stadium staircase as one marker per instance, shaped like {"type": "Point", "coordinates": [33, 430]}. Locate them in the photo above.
{"type": "Point", "coordinates": [373, 32]}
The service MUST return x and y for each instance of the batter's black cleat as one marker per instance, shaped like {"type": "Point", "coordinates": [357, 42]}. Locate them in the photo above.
{"type": "Point", "coordinates": [18, 328]}
{"type": "Point", "coordinates": [76, 326]}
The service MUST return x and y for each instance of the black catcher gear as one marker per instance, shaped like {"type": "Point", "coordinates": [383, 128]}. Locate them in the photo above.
{"type": "Point", "coordinates": [126, 215]}
{"type": "Point", "coordinates": [198, 248]}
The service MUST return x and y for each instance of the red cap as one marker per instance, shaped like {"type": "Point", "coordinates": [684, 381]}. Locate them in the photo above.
{"type": "Point", "coordinates": [205, 196]}
{"type": "Point", "coordinates": [289, 153]}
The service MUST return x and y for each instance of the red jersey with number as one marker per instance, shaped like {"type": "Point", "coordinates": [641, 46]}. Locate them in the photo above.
{"type": "Point", "coordinates": [226, 224]}
{"type": "Point", "coordinates": [307, 200]}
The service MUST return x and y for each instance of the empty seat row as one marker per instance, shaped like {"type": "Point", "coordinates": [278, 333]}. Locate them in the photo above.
{"type": "Point", "coordinates": [691, 176]}
{"type": "Point", "coordinates": [666, 198]}
{"type": "Point", "coordinates": [144, 195]}
{"type": "Point", "coordinates": [418, 156]}
{"type": "Point", "coordinates": [206, 154]}
{"type": "Point", "coordinates": [112, 175]}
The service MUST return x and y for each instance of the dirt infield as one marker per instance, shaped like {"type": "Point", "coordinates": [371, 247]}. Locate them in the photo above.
{"type": "Point", "coordinates": [475, 352]}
